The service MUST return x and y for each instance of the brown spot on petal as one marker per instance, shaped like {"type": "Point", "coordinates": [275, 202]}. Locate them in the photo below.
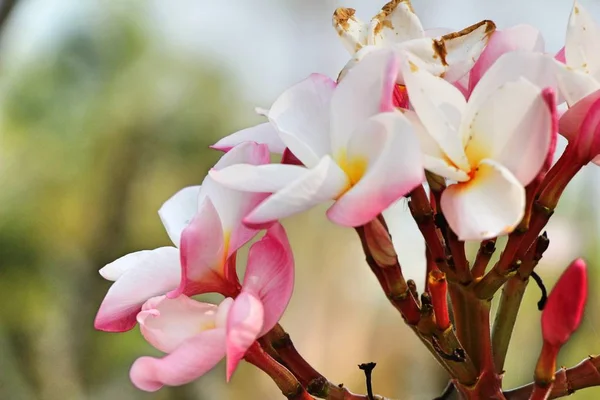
{"type": "Point", "coordinates": [413, 66]}
{"type": "Point", "coordinates": [439, 50]}
{"type": "Point", "coordinates": [341, 17]}
{"type": "Point", "coordinates": [490, 27]}
{"type": "Point", "coordinates": [391, 6]}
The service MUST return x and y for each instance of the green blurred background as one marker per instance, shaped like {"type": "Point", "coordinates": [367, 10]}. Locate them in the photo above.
{"type": "Point", "coordinates": [108, 119]}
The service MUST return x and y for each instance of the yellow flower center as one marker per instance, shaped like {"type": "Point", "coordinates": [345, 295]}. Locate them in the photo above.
{"type": "Point", "coordinates": [354, 167]}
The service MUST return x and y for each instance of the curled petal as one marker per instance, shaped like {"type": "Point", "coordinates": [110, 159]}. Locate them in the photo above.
{"type": "Point", "coordinates": [150, 274]}
{"type": "Point", "coordinates": [396, 23]}
{"type": "Point", "coordinates": [496, 132]}
{"type": "Point", "coordinates": [352, 31]}
{"type": "Point", "coordinates": [365, 91]}
{"type": "Point", "coordinates": [114, 270]}
{"type": "Point", "coordinates": [267, 178]}
{"type": "Point", "coordinates": [177, 212]}
{"type": "Point", "coordinates": [519, 37]}
{"type": "Point", "coordinates": [301, 115]}
{"type": "Point", "coordinates": [387, 150]}
{"type": "Point", "coordinates": [192, 359]}
{"type": "Point", "coordinates": [167, 323]}
{"type": "Point", "coordinates": [244, 324]}
{"type": "Point", "coordinates": [320, 184]}
{"type": "Point", "coordinates": [492, 203]}
{"type": "Point", "coordinates": [263, 134]}
{"type": "Point", "coordinates": [570, 122]}
{"type": "Point", "coordinates": [270, 274]}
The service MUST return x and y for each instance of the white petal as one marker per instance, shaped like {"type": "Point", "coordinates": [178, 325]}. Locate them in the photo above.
{"type": "Point", "coordinates": [489, 205]}
{"type": "Point", "coordinates": [268, 178]}
{"type": "Point", "coordinates": [167, 323]}
{"type": "Point", "coordinates": [575, 85]}
{"type": "Point", "coordinates": [513, 127]}
{"type": "Point", "coordinates": [396, 23]}
{"type": "Point", "coordinates": [116, 269]}
{"type": "Point", "coordinates": [352, 31]}
{"type": "Point", "coordinates": [582, 49]}
{"type": "Point", "coordinates": [322, 183]}
{"type": "Point", "coordinates": [439, 106]}
{"type": "Point", "coordinates": [301, 115]}
{"type": "Point", "coordinates": [177, 212]}
{"type": "Point", "coordinates": [365, 91]}
{"type": "Point", "coordinates": [387, 151]}
{"type": "Point", "coordinates": [264, 133]}
{"type": "Point", "coordinates": [152, 274]}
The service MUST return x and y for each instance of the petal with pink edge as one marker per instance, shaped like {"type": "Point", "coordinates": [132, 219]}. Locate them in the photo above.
{"type": "Point", "coordinates": [116, 269]}
{"type": "Point", "coordinates": [301, 115]}
{"type": "Point", "coordinates": [351, 30]}
{"type": "Point", "coordinates": [560, 56]}
{"type": "Point", "coordinates": [151, 274]}
{"type": "Point", "coordinates": [492, 203]}
{"type": "Point", "coordinates": [396, 23]}
{"type": "Point", "coordinates": [497, 131]}
{"type": "Point", "coordinates": [263, 134]}
{"type": "Point", "coordinates": [202, 252]}
{"type": "Point", "coordinates": [519, 37]}
{"type": "Point", "coordinates": [570, 122]}
{"type": "Point", "coordinates": [177, 212]}
{"type": "Point", "coordinates": [582, 50]}
{"type": "Point", "coordinates": [232, 205]}
{"type": "Point", "coordinates": [322, 183]}
{"type": "Point", "coordinates": [587, 143]}
{"type": "Point", "coordinates": [388, 149]}
{"type": "Point", "coordinates": [266, 178]}
{"type": "Point", "coordinates": [440, 107]}
{"type": "Point", "coordinates": [244, 325]}
{"type": "Point", "coordinates": [167, 323]}
{"type": "Point", "coordinates": [270, 274]}
{"type": "Point", "coordinates": [192, 359]}
{"type": "Point", "coordinates": [365, 91]}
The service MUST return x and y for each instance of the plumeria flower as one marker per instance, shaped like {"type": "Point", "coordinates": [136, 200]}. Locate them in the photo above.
{"type": "Point", "coordinates": [398, 27]}
{"type": "Point", "coordinates": [358, 150]}
{"type": "Point", "coordinates": [204, 223]}
{"type": "Point", "coordinates": [492, 146]}
{"type": "Point", "coordinates": [196, 336]}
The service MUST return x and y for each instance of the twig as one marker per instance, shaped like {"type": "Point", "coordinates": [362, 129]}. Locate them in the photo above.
{"type": "Point", "coordinates": [368, 369]}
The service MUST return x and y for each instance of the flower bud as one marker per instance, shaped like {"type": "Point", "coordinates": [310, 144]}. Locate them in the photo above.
{"type": "Point", "coordinates": [564, 309]}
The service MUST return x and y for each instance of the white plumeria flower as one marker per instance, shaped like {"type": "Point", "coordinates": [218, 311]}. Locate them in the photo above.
{"type": "Point", "coordinates": [581, 55]}
{"type": "Point", "coordinates": [358, 150]}
{"type": "Point", "coordinates": [397, 26]}
{"type": "Point", "coordinates": [492, 146]}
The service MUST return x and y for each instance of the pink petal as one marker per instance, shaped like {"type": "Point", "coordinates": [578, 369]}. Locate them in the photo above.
{"type": "Point", "coordinates": [560, 56]}
{"type": "Point", "coordinates": [320, 184]}
{"type": "Point", "coordinates": [520, 37]}
{"type": "Point", "coordinates": [587, 142]}
{"type": "Point", "coordinates": [496, 132]}
{"type": "Point", "coordinates": [365, 91]}
{"type": "Point", "coordinates": [397, 23]}
{"type": "Point", "coordinates": [244, 324]}
{"type": "Point", "coordinates": [151, 274]}
{"type": "Point", "coordinates": [264, 133]}
{"type": "Point", "coordinates": [387, 144]}
{"type": "Point", "coordinates": [167, 323]}
{"type": "Point", "coordinates": [570, 122]}
{"type": "Point", "coordinates": [492, 203]}
{"type": "Point", "coordinates": [232, 205]}
{"type": "Point", "coordinates": [289, 158]}
{"type": "Point", "coordinates": [188, 362]}
{"type": "Point", "coordinates": [177, 212]}
{"type": "Point", "coordinates": [202, 252]}
{"type": "Point", "coordinates": [270, 274]}
{"type": "Point", "coordinates": [440, 107]}
{"type": "Point", "coordinates": [351, 30]}
{"type": "Point", "coordinates": [582, 50]}
{"type": "Point", "coordinates": [301, 115]}
{"type": "Point", "coordinates": [266, 178]}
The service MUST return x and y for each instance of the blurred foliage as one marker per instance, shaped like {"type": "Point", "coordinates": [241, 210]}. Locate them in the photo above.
{"type": "Point", "coordinates": [97, 132]}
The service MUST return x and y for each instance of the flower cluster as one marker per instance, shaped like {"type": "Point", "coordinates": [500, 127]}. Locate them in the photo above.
{"type": "Point", "coordinates": [470, 117]}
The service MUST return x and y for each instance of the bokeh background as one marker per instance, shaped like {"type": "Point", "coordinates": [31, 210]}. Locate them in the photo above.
{"type": "Point", "coordinates": [107, 109]}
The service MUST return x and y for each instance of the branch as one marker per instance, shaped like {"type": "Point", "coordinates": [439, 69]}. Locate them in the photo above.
{"type": "Point", "coordinates": [566, 381]}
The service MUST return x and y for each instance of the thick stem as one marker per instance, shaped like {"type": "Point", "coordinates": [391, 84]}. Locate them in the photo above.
{"type": "Point", "coordinates": [485, 253]}
{"type": "Point", "coordinates": [566, 381]}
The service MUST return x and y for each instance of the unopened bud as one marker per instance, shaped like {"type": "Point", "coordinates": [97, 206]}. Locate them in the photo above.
{"type": "Point", "coordinates": [581, 125]}
{"type": "Point", "coordinates": [380, 244]}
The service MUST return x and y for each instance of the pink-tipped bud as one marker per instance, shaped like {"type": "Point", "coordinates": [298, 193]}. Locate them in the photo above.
{"type": "Point", "coordinates": [581, 125]}
{"type": "Point", "coordinates": [564, 309]}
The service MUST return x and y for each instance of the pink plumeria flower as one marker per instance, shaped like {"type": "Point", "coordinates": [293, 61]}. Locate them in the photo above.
{"type": "Point", "coordinates": [492, 146]}
{"type": "Point", "coordinates": [358, 150]}
{"type": "Point", "coordinates": [196, 336]}
{"type": "Point", "coordinates": [204, 223]}
{"type": "Point", "coordinates": [398, 27]}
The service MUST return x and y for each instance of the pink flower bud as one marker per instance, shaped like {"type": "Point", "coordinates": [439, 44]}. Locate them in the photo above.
{"type": "Point", "coordinates": [564, 309]}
